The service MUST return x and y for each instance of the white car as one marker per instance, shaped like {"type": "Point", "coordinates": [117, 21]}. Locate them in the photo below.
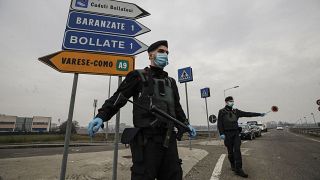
{"type": "Point", "coordinates": [279, 128]}
{"type": "Point", "coordinates": [263, 127]}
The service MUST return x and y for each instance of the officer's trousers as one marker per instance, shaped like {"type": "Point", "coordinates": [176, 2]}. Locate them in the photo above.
{"type": "Point", "coordinates": [233, 142]}
{"type": "Point", "coordinates": [152, 160]}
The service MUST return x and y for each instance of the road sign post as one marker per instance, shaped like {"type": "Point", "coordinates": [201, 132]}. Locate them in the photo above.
{"type": "Point", "coordinates": [185, 75]}
{"type": "Point", "coordinates": [205, 93]}
{"type": "Point", "coordinates": [116, 141]}
{"type": "Point", "coordinates": [68, 130]}
{"type": "Point", "coordinates": [99, 39]}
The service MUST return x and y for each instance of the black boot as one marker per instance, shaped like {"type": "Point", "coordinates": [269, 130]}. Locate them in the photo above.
{"type": "Point", "coordinates": [241, 173]}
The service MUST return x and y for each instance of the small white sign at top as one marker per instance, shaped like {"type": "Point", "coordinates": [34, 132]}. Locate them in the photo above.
{"type": "Point", "coordinates": [113, 8]}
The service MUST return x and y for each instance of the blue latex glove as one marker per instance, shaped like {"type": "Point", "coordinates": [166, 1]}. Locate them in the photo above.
{"type": "Point", "coordinates": [94, 126]}
{"type": "Point", "coordinates": [222, 136]}
{"type": "Point", "coordinates": [193, 132]}
{"type": "Point", "coordinates": [263, 114]}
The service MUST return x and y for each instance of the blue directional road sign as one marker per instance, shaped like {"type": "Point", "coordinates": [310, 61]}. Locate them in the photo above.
{"type": "Point", "coordinates": [107, 7]}
{"type": "Point", "coordinates": [185, 75]}
{"type": "Point", "coordinates": [105, 24]}
{"type": "Point", "coordinates": [105, 43]}
{"type": "Point", "coordinates": [205, 92]}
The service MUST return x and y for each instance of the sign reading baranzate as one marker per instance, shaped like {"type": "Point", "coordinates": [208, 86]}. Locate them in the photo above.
{"type": "Point", "coordinates": [113, 8]}
{"type": "Point", "coordinates": [80, 62]}
{"type": "Point", "coordinates": [105, 24]}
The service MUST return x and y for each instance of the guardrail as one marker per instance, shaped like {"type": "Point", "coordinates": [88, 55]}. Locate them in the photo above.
{"type": "Point", "coordinates": [313, 131]}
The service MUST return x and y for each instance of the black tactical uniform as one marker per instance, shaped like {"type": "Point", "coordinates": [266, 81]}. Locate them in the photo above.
{"type": "Point", "coordinates": [150, 156]}
{"type": "Point", "coordinates": [228, 125]}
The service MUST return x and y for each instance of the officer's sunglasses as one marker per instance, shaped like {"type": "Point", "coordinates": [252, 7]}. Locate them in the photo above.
{"type": "Point", "coordinates": [162, 51]}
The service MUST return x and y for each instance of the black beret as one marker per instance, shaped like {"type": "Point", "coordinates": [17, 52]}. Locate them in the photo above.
{"type": "Point", "coordinates": [155, 45]}
{"type": "Point", "coordinates": [229, 98]}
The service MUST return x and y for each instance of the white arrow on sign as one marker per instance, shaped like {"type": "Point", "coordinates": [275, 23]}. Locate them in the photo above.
{"type": "Point", "coordinates": [113, 8]}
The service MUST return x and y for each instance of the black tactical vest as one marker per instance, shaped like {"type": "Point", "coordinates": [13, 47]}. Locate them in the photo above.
{"type": "Point", "coordinates": [162, 97]}
{"type": "Point", "coordinates": [230, 119]}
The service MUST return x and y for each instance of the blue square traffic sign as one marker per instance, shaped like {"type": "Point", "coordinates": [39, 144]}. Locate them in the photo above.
{"type": "Point", "coordinates": [205, 92]}
{"type": "Point", "coordinates": [185, 75]}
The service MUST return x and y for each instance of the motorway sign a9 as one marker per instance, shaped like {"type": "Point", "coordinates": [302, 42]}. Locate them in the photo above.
{"type": "Point", "coordinates": [89, 63]}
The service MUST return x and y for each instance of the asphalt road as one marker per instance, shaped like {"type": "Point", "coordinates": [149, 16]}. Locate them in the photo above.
{"type": "Point", "coordinates": [29, 152]}
{"type": "Point", "coordinates": [275, 155]}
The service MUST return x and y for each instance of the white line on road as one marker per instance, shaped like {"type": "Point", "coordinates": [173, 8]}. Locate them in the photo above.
{"type": "Point", "coordinates": [217, 169]}
{"type": "Point", "coordinates": [244, 142]}
{"type": "Point", "coordinates": [305, 137]}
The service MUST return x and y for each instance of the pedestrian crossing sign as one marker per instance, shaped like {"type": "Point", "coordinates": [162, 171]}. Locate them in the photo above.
{"type": "Point", "coordinates": [185, 75]}
{"type": "Point", "coordinates": [205, 92]}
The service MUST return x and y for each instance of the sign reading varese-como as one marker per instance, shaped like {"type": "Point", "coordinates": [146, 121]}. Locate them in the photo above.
{"type": "Point", "coordinates": [80, 62]}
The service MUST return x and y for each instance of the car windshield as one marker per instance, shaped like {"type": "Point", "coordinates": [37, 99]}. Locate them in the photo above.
{"type": "Point", "coordinates": [244, 126]}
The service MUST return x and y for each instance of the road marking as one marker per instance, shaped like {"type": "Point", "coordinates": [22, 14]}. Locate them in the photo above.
{"type": "Point", "coordinates": [244, 151]}
{"type": "Point", "coordinates": [244, 142]}
{"type": "Point", "coordinates": [305, 137]}
{"type": "Point", "coordinates": [217, 169]}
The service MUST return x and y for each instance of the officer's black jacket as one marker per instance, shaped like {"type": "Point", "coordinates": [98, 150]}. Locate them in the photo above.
{"type": "Point", "coordinates": [132, 85]}
{"type": "Point", "coordinates": [225, 125]}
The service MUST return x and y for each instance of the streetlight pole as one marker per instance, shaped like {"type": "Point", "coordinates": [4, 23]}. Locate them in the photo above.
{"type": "Point", "coordinates": [306, 121]}
{"type": "Point", "coordinates": [224, 91]}
{"type": "Point", "coordinates": [314, 119]}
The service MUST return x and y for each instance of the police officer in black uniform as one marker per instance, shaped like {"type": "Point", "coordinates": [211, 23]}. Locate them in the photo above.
{"type": "Point", "coordinates": [229, 132]}
{"type": "Point", "coordinates": [153, 140]}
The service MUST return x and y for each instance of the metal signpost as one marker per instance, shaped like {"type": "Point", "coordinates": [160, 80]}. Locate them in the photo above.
{"type": "Point", "coordinates": [95, 103]}
{"type": "Point", "coordinates": [185, 75]}
{"type": "Point", "coordinates": [100, 35]}
{"type": "Point", "coordinates": [205, 93]}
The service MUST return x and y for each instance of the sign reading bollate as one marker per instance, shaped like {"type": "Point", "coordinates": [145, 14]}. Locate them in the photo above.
{"type": "Point", "coordinates": [80, 62]}
{"type": "Point", "coordinates": [103, 43]}
{"type": "Point", "coordinates": [107, 7]}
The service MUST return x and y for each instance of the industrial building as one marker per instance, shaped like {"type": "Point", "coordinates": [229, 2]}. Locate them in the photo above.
{"type": "Point", "coordinates": [24, 124]}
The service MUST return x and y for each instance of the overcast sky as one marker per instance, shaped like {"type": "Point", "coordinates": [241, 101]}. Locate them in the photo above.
{"type": "Point", "coordinates": [271, 49]}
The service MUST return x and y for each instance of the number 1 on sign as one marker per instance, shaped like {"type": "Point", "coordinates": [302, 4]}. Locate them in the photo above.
{"type": "Point", "coordinates": [131, 45]}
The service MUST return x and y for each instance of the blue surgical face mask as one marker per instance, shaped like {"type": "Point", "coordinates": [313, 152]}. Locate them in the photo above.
{"type": "Point", "coordinates": [161, 60]}
{"type": "Point", "coordinates": [230, 103]}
